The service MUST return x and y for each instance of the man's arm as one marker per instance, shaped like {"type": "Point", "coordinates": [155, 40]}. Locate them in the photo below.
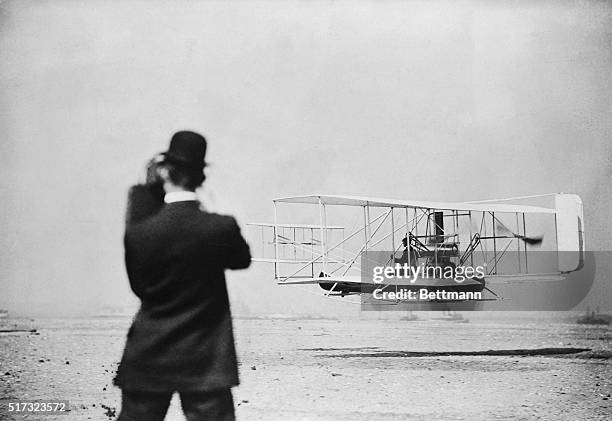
{"type": "Point", "coordinates": [238, 254]}
{"type": "Point", "coordinates": [133, 268]}
{"type": "Point", "coordinates": [143, 202]}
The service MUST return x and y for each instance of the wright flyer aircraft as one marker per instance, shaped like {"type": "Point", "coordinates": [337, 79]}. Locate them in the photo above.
{"type": "Point", "coordinates": [351, 245]}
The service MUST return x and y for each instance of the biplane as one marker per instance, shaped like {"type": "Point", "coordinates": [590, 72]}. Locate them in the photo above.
{"type": "Point", "coordinates": [335, 241]}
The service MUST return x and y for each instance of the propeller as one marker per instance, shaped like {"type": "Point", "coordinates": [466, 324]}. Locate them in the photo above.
{"type": "Point", "coordinates": [532, 241]}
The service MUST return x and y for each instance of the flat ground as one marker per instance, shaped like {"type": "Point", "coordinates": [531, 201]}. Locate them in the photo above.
{"type": "Point", "coordinates": [338, 370]}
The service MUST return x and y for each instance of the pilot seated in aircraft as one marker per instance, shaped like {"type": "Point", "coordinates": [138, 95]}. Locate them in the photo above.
{"type": "Point", "coordinates": [409, 255]}
{"type": "Point", "coordinates": [181, 339]}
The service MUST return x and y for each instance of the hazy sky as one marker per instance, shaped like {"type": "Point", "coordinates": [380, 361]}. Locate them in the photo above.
{"type": "Point", "coordinates": [425, 100]}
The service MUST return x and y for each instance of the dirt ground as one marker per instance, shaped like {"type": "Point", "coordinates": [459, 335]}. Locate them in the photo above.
{"type": "Point", "coordinates": [337, 370]}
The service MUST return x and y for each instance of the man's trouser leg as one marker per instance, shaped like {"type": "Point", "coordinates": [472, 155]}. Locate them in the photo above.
{"type": "Point", "coordinates": [213, 406]}
{"type": "Point", "coordinates": [141, 406]}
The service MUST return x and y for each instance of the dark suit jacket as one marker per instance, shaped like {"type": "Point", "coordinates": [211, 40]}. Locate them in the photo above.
{"type": "Point", "coordinates": [176, 254]}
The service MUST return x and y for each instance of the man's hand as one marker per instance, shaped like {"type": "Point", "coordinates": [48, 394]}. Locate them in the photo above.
{"type": "Point", "coordinates": [152, 176]}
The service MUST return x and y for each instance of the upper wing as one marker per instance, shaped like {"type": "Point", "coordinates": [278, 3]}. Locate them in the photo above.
{"type": "Point", "coordinates": [415, 204]}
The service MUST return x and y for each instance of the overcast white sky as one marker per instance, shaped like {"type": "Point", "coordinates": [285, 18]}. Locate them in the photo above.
{"type": "Point", "coordinates": [439, 100]}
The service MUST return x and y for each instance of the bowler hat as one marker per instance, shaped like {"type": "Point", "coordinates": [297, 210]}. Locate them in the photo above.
{"type": "Point", "coordinates": [187, 149]}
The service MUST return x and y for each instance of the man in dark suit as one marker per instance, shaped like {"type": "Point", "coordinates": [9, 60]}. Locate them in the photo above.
{"type": "Point", "coordinates": [181, 339]}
